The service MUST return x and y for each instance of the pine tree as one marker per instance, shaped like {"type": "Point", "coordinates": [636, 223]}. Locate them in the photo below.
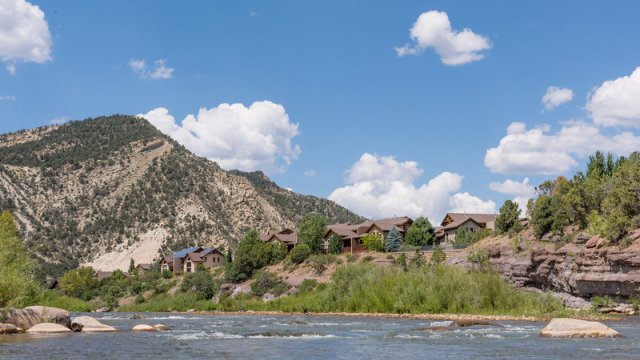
{"type": "Point", "coordinates": [394, 240]}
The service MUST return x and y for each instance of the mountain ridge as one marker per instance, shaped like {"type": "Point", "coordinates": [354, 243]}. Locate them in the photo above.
{"type": "Point", "coordinates": [90, 188]}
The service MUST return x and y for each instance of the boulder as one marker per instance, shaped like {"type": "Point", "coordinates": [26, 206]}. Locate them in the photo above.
{"type": "Point", "coordinates": [89, 324]}
{"type": "Point", "coordinates": [581, 238]}
{"type": "Point", "coordinates": [191, 310]}
{"type": "Point", "coordinates": [10, 329]}
{"type": "Point", "coordinates": [143, 327]}
{"type": "Point", "coordinates": [436, 329]}
{"type": "Point", "coordinates": [596, 242]}
{"type": "Point", "coordinates": [161, 327]}
{"type": "Point", "coordinates": [136, 317]}
{"type": "Point", "coordinates": [471, 322]}
{"type": "Point", "coordinates": [573, 328]}
{"type": "Point", "coordinates": [21, 318]}
{"type": "Point", "coordinates": [48, 328]}
{"type": "Point", "coordinates": [103, 309]}
{"type": "Point", "coordinates": [52, 315]}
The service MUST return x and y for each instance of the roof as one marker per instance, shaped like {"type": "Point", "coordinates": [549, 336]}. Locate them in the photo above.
{"type": "Point", "coordinates": [183, 253]}
{"type": "Point", "coordinates": [343, 230]}
{"type": "Point", "coordinates": [454, 220]}
{"type": "Point", "coordinates": [103, 274]}
{"type": "Point", "coordinates": [208, 251]}
{"type": "Point", "coordinates": [288, 239]}
{"type": "Point", "coordinates": [195, 257]}
{"type": "Point", "coordinates": [144, 266]}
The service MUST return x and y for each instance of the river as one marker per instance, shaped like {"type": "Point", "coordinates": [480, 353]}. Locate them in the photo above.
{"type": "Point", "coordinates": [315, 337]}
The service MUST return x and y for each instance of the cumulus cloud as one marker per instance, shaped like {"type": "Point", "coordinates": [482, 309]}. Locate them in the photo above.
{"type": "Point", "coordinates": [381, 186]}
{"type": "Point", "coordinates": [433, 30]}
{"type": "Point", "coordinates": [522, 191]}
{"type": "Point", "coordinates": [538, 151]}
{"type": "Point", "coordinates": [24, 34]}
{"type": "Point", "coordinates": [617, 102]}
{"type": "Point", "coordinates": [556, 96]}
{"type": "Point", "coordinates": [258, 137]}
{"type": "Point", "coordinates": [160, 72]}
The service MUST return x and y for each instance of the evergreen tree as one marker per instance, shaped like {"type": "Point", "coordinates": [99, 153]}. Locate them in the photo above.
{"type": "Point", "coordinates": [394, 241]}
{"type": "Point", "coordinates": [421, 233]}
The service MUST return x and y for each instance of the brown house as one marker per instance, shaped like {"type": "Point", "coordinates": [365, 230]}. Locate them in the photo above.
{"type": "Point", "coordinates": [286, 236]}
{"type": "Point", "coordinates": [446, 233]}
{"type": "Point", "coordinates": [187, 260]}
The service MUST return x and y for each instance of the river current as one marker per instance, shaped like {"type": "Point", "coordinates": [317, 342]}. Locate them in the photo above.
{"type": "Point", "coordinates": [315, 337]}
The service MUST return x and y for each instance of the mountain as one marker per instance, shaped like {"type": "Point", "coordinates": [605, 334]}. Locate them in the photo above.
{"type": "Point", "coordinates": [101, 191]}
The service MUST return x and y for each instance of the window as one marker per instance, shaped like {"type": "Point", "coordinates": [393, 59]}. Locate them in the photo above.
{"type": "Point", "coordinates": [188, 266]}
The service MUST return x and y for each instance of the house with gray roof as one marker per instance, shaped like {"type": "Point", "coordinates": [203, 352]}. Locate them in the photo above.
{"type": "Point", "coordinates": [446, 233]}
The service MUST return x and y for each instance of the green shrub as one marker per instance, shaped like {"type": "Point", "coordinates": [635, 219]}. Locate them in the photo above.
{"type": "Point", "coordinates": [167, 274]}
{"type": "Point", "coordinates": [300, 253]}
{"type": "Point", "coordinates": [601, 301]}
{"type": "Point", "coordinates": [319, 262]}
{"type": "Point", "coordinates": [307, 285]}
{"type": "Point", "coordinates": [421, 233]}
{"type": "Point", "coordinates": [266, 282]}
{"type": "Point", "coordinates": [311, 231]}
{"type": "Point", "coordinates": [373, 242]}
{"type": "Point", "coordinates": [79, 283]}
{"type": "Point", "coordinates": [335, 244]}
{"type": "Point", "coordinates": [367, 258]}
{"type": "Point", "coordinates": [200, 283]}
{"type": "Point", "coordinates": [253, 254]}
{"type": "Point", "coordinates": [139, 299]}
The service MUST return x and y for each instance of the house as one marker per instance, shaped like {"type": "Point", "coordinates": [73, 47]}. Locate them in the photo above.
{"type": "Point", "coordinates": [285, 236]}
{"type": "Point", "coordinates": [142, 268]}
{"type": "Point", "coordinates": [446, 233]}
{"type": "Point", "coordinates": [187, 260]}
{"type": "Point", "coordinates": [102, 274]}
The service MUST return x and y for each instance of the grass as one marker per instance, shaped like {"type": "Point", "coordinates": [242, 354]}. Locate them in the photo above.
{"type": "Point", "coordinates": [367, 288]}
{"type": "Point", "coordinates": [164, 302]}
{"type": "Point", "coordinates": [52, 299]}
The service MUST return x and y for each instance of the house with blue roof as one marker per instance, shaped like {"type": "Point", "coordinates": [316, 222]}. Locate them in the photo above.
{"type": "Point", "coordinates": [186, 260]}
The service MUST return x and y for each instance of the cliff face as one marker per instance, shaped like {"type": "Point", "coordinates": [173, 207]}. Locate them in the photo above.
{"type": "Point", "coordinates": [585, 266]}
{"type": "Point", "coordinates": [102, 191]}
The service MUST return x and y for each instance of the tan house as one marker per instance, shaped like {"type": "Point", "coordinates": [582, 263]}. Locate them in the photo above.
{"type": "Point", "coordinates": [446, 233]}
{"type": "Point", "coordinates": [187, 260]}
{"type": "Point", "coordinates": [286, 236]}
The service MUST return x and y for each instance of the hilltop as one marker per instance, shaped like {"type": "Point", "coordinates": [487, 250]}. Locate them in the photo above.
{"type": "Point", "coordinates": [101, 191]}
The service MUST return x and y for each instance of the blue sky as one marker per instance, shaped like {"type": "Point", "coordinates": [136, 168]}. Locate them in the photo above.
{"type": "Point", "coordinates": [373, 127]}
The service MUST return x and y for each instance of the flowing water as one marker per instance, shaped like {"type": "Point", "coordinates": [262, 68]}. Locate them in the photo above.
{"type": "Point", "coordinates": [315, 337]}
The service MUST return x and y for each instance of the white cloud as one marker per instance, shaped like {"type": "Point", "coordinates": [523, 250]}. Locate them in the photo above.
{"type": "Point", "coordinates": [521, 191]}
{"type": "Point", "coordinates": [433, 30]}
{"type": "Point", "coordinates": [258, 137]}
{"type": "Point", "coordinates": [161, 71]}
{"type": "Point", "coordinates": [24, 34]}
{"type": "Point", "coordinates": [537, 151]}
{"type": "Point", "coordinates": [310, 173]}
{"type": "Point", "coordinates": [380, 186]}
{"type": "Point", "coordinates": [7, 98]}
{"type": "Point", "coordinates": [58, 121]}
{"type": "Point", "coordinates": [617, 102]}
{"type": "Point", "coordinates": [556, 96]}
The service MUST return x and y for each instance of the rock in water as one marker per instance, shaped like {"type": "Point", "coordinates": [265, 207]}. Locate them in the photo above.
{"type": "Point", "coordinates": [10, 329]}
{"type": "Point", "coordinates": [52, 315]}
{"type": "Point", "coordinates": [48, 328]}
{"type": "Point", "coordinates": [161, 327]}
{"type": "Point", "coordinates": [577, 328]}
{"type": "Point", "coordinates": [89, 324]}
{"type": "Point", "coordinates": [143, 327]}
{"type": "Point", "coordinates": [471, 322]}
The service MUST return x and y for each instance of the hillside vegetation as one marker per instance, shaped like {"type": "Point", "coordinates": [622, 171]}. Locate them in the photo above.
{"type": "Point", "coordinates": [94, 187]}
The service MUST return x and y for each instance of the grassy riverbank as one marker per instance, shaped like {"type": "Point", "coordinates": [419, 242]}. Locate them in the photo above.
{"type": "Point", "coordinates": [372, 289]}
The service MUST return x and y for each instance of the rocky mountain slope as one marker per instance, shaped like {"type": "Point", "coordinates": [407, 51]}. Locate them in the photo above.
{"type": "Point", "coordinates": [104, 190]}
{"type": "Point", "coordinates": [579, 264]}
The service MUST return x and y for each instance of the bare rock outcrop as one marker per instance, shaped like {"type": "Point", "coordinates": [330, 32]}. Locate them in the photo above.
{"type": "Point", "coordinates": [33, 315]}
{"type": "Point", "coordinates": [9, 329]}
{"type": "Point", "coordinates": [592, 268]}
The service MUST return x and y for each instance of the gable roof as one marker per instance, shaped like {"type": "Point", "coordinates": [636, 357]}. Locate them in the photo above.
{"type": "Point", "coordinates": [195, 257]}
{"type": "Point", "coordinates": [208, 251]}
{"type": "Point", "coordinates": [454, 220]}
{"type": "Point", "coordinates": [144, 266]}
{"type": "Point", "coordinates": [183, 253]}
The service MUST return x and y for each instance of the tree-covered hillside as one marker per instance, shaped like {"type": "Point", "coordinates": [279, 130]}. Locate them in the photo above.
{"type": "Point", "coordinates": [91, 187]}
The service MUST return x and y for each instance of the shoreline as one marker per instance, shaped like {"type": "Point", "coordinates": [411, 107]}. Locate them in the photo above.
{"type": "Point", "coordinates": [442, 317]}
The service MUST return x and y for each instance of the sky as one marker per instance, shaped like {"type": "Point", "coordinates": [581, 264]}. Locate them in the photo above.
{"type": "Point", "coordinates": [388, 108]}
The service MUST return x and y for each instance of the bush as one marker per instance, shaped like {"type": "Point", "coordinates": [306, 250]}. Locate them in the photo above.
{"type": "Point", "coordinates": [319, 262]}
{"type": "Point", "coordinates": [167, 274]}
{"type": "Point", "coordinates": [200, 283]}
{"type": "Point", "coordinates": [307, 285]}
{"type": "Point", "coordinates": [139, 299]}
{"type": "Point", "coordinates": [79, 283]}
{"type": "Point", "coordinates": [253, 254]}
{"type": "Point", "coordinates": [373, 242]}
{"type": "Point", "coordinates": [300, 253]}
{"type": "Point", "coordinates": [421, 233]}
{"type": "Point", "coordinates": [335, 244]}
{"type": "Point", "coordinates": [311, 231]}
{"type": "Point", "coordinates": [266, 282]}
